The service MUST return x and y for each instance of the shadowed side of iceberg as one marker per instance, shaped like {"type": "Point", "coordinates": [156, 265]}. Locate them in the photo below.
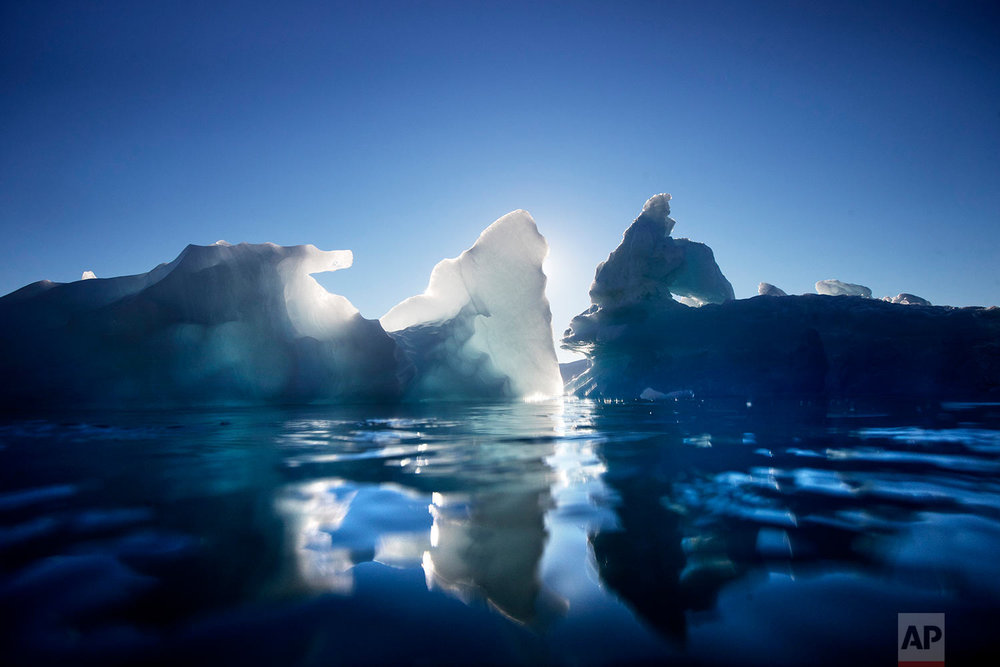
{"type": "Point", "coordinates": [220, 324]}
{"type": "Point", "coordinates": [808, 346]}
{"type": "Point", "coordinates": [643, 343]}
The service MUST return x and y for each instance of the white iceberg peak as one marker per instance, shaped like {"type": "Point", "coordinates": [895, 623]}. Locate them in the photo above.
{"type": "Point", "coordinates": [767, 289]}
{"type": "Point", "coordinates": [483, 324]}
{"type": "Point", "coordinates": [907, 299]}
{"type": "Point", "coordinates": [657, 211]}
{"type": "Point", "coordinates": [88, 275]}
{"type": "Point", "coordinates": [658, 204]}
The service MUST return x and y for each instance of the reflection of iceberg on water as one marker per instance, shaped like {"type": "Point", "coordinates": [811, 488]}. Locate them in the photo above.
{"type": "Point", "coordinates": [489, 546]}
{"type": "Point", "coordinates": [248, 324]}
{"type": "Point", "coordinates": [335, 524]}
{"type": "Point", "coordinates": [477, 547]}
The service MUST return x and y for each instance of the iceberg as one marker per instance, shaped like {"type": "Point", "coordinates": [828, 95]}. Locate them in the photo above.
{"type": "Point", "coordinates": [838, 288]}
{"type": "Point", "coordinates": [483, 327]}
{"type": "Point", "coordinates": [644, 345]}
{"type": "Point", "coordinates": [248, 324]}
{"type": "Point", "coordinates": [767, 289]}
{"type": "Point", "coordinates": [219, 324]}
{"type": "Point", "coordinates": [650, 266]}
{"type": "Point", "coordinates": [907, 299]}
{"type": "Point", "coordinates": [571, 369]}
{"type": "Point", "coordinates": [649, 275]}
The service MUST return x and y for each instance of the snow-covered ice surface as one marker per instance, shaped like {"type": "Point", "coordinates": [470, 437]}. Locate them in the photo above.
{"type": "Point", "coordinates": [839, 288]}
{"type": "Point", "coordinates": [227, 324]}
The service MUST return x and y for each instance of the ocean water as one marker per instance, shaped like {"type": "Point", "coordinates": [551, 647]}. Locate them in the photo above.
{"type": "Point", "coordinates": [544, 533]}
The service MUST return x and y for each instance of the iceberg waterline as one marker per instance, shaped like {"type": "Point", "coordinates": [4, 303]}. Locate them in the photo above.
{"type": "Point", "coordinates": [232, 324]}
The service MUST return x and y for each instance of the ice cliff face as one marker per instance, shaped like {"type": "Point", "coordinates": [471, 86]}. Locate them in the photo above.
{"type": "Point", "coordinates": [231, 324]}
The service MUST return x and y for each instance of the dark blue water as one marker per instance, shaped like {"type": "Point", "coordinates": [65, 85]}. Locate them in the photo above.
{"type": "Point", "coordinates": [548, 533]}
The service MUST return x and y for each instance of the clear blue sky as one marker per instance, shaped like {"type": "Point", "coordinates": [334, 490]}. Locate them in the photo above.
{"type": "Point", "coordinates": [801, 140]}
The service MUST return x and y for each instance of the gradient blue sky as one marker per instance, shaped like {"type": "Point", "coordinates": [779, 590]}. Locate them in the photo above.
{"type": "Point", "coordinates": [801, 140]}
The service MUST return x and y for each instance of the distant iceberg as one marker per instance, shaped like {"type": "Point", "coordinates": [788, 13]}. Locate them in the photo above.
{"type": "Point", "coordinates": [838, 288]}
{"type": "Point", "coordinates": [237, 324]}
{"type": "Point", "coordinates": [767, 289]}
{"type": "Point", "coordinates": [907, 299]}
